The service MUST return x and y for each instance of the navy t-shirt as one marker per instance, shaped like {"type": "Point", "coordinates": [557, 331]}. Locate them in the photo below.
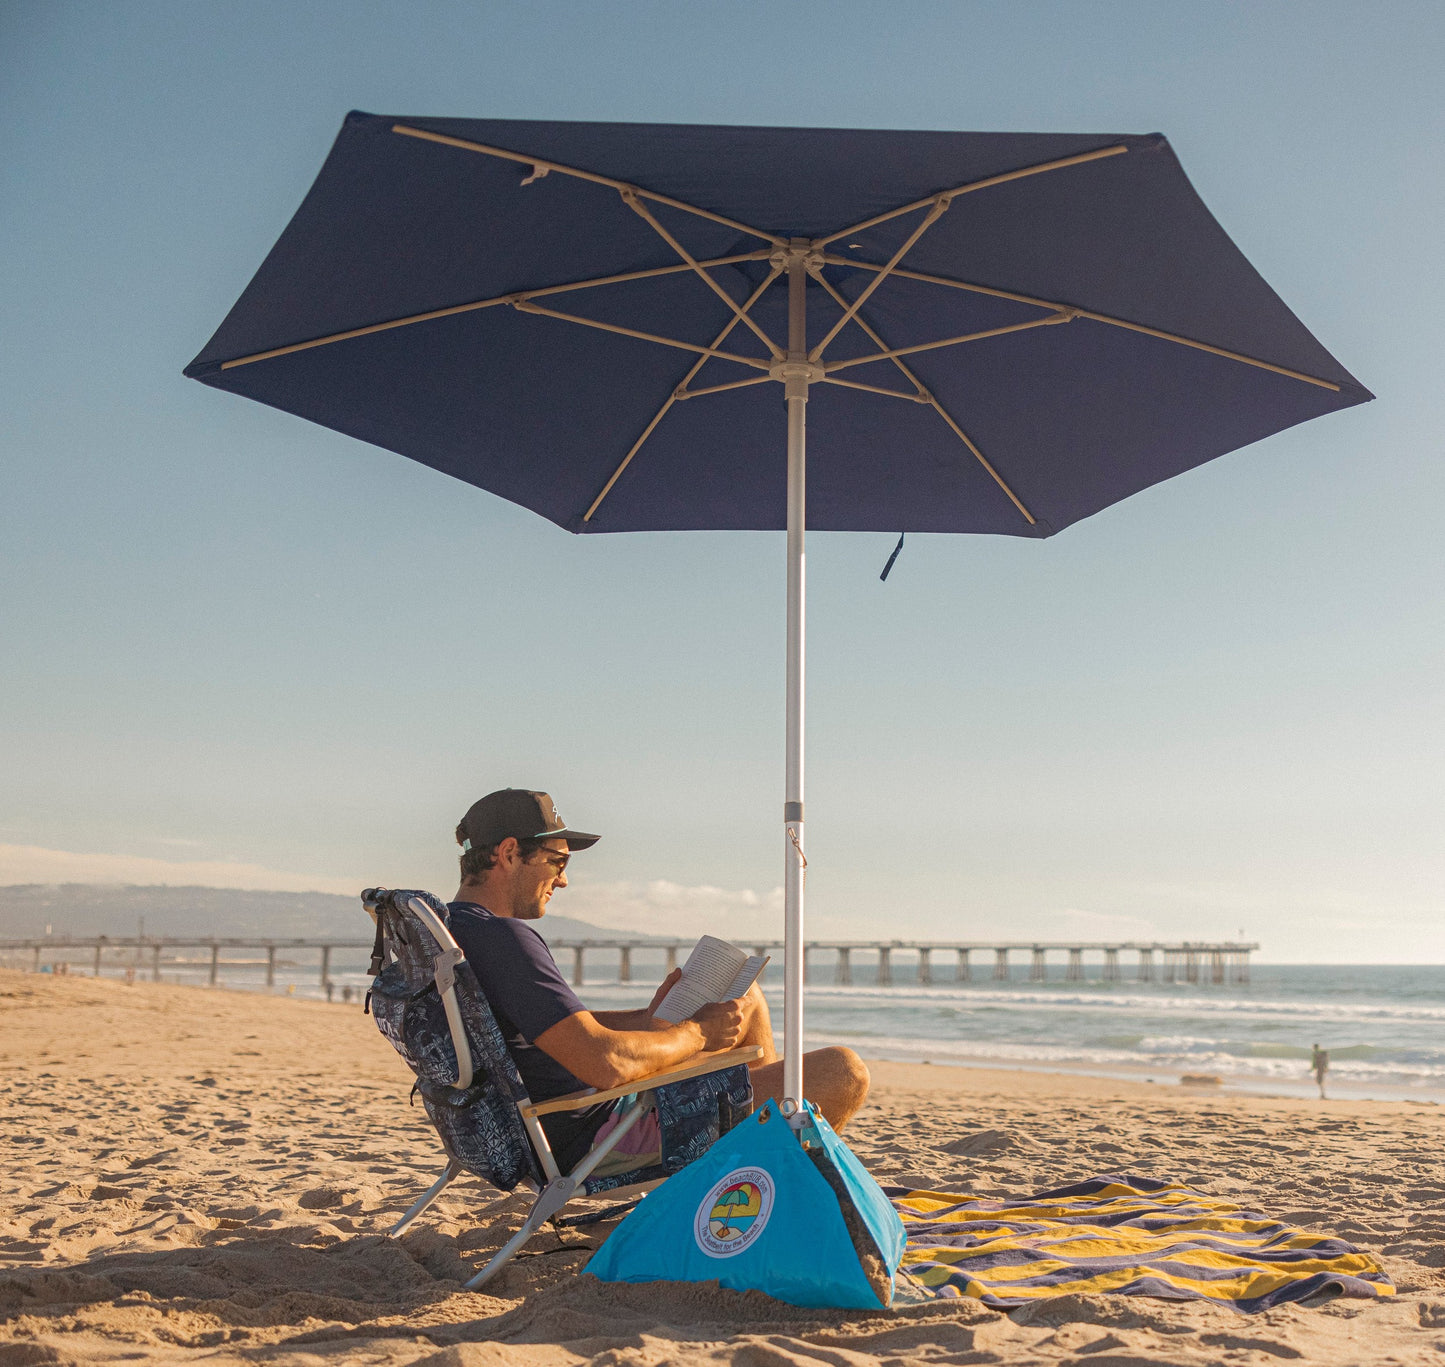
{"type": "Point", "coordinates": [528, 996]}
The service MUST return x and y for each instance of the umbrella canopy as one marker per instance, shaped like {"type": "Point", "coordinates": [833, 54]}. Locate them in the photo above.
{"type": "Point", "coordinates": [441, 236]}
{"type": "Point", "coordinates": [988, 332]}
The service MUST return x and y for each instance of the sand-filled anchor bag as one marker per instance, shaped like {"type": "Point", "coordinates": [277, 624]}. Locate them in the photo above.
{"type": "Point", "coordinates": [759, 1211]}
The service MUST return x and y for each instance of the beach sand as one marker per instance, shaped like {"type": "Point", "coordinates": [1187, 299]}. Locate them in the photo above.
{"type": "Point", "coordinates": [195, 1174]}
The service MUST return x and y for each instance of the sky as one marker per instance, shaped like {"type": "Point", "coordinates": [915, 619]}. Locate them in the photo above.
{"type": "Point", "coordinates": [241, 650]}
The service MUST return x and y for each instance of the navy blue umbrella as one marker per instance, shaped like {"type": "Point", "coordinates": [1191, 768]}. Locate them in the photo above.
{"type": "Point", "coordinates": [987, 332]}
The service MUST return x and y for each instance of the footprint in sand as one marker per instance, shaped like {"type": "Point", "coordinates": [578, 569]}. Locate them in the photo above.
{"type": "Point", "coordinates": [985, 1141]}
{"type": "Point", "coordinates": [150, 1159]}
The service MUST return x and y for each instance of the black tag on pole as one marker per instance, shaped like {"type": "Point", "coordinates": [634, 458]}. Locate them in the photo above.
{"type": "Point", "coordinates": [894, 556]}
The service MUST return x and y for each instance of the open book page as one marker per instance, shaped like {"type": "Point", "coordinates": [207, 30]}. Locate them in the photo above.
{"type": "Point", "coordinates": [715, 971]}
{"type": "Point", "coordinates": [747, 976]}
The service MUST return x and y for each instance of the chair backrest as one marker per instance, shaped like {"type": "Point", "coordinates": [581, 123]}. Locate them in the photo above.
{"type": "Point", "coordinates": [427, 1002]}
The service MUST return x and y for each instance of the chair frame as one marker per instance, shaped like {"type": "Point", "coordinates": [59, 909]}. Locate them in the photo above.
{"type": "Point", "coordinates": [560, 1187]}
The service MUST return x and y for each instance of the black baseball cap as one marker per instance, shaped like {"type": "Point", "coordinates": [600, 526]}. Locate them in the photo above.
{"type": "Point", "coordinates": [521, 814]}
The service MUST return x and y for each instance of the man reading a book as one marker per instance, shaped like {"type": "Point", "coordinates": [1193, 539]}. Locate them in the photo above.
{"type": "Point", "coordinates": [515, 851]}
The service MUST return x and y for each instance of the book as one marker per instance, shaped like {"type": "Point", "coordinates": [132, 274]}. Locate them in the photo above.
{"type": "Point", "coordinates": [715, 971]}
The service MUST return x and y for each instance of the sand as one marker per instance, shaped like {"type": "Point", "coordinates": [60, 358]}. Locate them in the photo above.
{"type": "Point", "coordinates": [204, 1175]}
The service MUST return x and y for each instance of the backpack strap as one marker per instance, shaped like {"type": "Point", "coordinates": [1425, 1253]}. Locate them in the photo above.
{"type": "Point", "coordinates": [378, 947]}
{"type": "Point", "coordinates": [373, 900]}
{"type": "Point", "coordinates": [444, 975]}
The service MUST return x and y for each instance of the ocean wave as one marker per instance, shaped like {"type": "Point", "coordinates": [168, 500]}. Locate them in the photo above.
{"type": "Point", "coordinates": [1252, 1049]}
{"type": "Point", "coordinates": [1399, 1072]}
{"type": "Point", "coordinates": [965, 998]}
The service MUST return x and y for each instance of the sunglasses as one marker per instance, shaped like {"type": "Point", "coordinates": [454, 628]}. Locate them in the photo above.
{"type": "Point", "coordinates": [556, 859]}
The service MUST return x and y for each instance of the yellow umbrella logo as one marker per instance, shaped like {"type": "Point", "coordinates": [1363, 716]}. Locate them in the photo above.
{"type": "Point", "coordinates": [733, 1213]}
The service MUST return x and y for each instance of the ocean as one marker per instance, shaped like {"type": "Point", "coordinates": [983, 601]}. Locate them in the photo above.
{"type": "Point", "coordinates": [1384, 1026]}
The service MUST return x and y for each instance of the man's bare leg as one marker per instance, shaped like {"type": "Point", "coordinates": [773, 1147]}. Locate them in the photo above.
{"type": "Point", "coordinates": [757, 1025]}
{"type": "Point", "coordinates": [834, 1080]}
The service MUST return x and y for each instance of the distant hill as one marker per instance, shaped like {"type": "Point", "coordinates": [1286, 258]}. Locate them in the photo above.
{"type": "Point", "coordinates": [89, 909]}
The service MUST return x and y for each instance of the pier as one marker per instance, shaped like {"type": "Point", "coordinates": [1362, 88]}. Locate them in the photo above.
{"type": "Point", "coordinates": [933, 962]}
{"type": "Point", "coordinates": [1183, 961]}
{"type": "Point", "coordinates": [146, 956]}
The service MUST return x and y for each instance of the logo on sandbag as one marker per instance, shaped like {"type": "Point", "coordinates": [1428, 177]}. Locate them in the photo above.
{"type": "Point", "coordinates": [734, 1213]}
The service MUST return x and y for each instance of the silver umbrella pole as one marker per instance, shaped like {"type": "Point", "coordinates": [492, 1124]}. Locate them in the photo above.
{"type": "Point", "coordinates": [796, 373]}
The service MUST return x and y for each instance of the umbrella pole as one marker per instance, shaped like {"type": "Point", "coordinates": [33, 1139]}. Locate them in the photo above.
{"type": "Point", "coordinates": [796, 374]}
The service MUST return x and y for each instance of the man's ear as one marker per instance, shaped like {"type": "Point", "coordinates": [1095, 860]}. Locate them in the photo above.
{"type": "Point", "coordinates": [508, 853]}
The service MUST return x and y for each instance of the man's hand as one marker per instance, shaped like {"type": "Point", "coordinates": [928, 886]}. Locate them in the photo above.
{"type": "Point", "coordinates": [721, 1024]}
{"type": "Point", "coordinates": [662, 991]}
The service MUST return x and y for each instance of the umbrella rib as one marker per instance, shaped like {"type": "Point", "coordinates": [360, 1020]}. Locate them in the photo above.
{"type": "Point", "coordinates": [867, 328]}
{"type": "Point", "coordinates": [544, 164]}
{"type": "Point", "coordinates": [677, 394]}
{"type": "Point", "coordinates": [684, 393]}
{"type": "Point", "coordinates": [1090, 314]}
{"type": "Point", "coordinates": [926, 395]}
{"type": "Point", "coordinates": [833, 259]}
{"type": "Point", "coordinates": [940, 207]}
{"type": "Point", "coordinates": [475, 304]}
{"type": "Point", "coordinates": [875, 389]}
{"type": "Point", "coordinates": [1057, 165]}
{"type": "Point", "coordinates": [1063, 316]}
{"type": "Point", "coordinates": [1212, 350]}
{"type": "Point", "coordinates": [525, 305]}
{"type": "Point", "coordinates": [630, 198]}
{"type": "Point", "coordinates": [982, 460]}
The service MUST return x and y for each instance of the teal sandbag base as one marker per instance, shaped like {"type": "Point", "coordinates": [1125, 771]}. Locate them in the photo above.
{"type": "Point", "coordinates": [755, 1213]}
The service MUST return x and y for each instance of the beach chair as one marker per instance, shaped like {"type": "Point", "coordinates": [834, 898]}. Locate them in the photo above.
{"type": "Point", "coordinates": [426, 1000]}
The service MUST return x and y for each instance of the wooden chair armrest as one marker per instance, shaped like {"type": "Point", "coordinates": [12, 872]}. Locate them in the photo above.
{"type": "Point", "coordinates": [713, 1063]}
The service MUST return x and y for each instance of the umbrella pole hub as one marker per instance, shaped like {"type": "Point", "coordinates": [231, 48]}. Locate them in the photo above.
{"type": "Point", "coordinates": [796, 374]}
{"type": "Point", "coordinates": [799, 251]}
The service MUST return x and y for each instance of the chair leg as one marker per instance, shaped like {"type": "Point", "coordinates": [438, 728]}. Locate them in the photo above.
{"type": "Point", "coordinates": [553, 1197]}
{"type": "Point", "coordinates": [426, 1198]}
{"type": "Point", "coordinates": [549, 1201]}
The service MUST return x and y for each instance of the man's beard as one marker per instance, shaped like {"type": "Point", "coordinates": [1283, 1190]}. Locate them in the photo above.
{"type": "Point", "coordinates": [529, 911]}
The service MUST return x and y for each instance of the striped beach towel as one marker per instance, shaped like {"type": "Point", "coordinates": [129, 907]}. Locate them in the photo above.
{"type": "Point", "coordinates": [1132, 1236]}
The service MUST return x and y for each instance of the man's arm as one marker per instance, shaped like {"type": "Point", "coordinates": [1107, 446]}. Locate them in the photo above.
{"type": "Point", "coordinates": [638, 1018]}
{"type": "Point", "coordinates": [603, 1056]}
